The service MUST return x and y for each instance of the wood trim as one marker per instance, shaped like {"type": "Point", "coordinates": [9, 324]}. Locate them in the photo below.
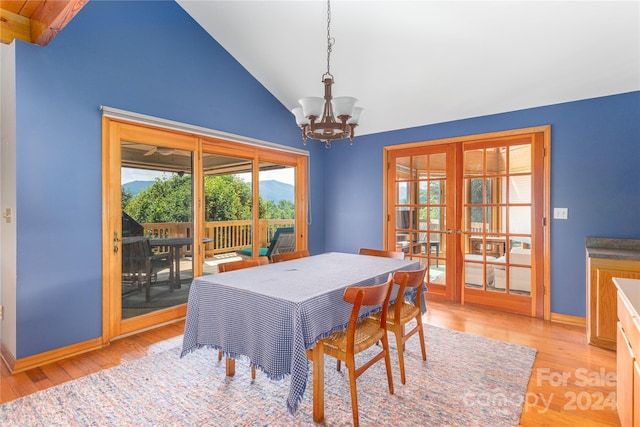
{"type": "Point", "coordinates": [30, 362]}
{"type": "Point", "coordinates": [568, 319]}
{"type": "Point", "coordinates": [214, 136]}
{"type": "Point", "coordinates": [467, 138]}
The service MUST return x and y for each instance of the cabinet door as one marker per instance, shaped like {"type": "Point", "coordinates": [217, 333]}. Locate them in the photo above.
{"type": "Point", "coordinates": [625, 377]}
{"type": "Point", "coordinates": [602, 304]}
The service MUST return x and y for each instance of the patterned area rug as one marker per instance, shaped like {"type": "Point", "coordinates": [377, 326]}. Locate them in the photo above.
{"type": "Point", "coordinates": [466, 380]}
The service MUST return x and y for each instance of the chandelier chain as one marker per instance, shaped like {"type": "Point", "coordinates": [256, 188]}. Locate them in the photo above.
{"type": "Point", "coordinates": [330, 41]}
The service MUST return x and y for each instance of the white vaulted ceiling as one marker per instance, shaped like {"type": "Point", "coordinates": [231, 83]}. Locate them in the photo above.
{"type": "Point", "coordinates": [413, 63]}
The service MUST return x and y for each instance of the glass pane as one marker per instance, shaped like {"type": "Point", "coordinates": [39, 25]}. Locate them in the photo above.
{"type": "Point", "coordinates": [228, 200]}
{"type": "Point", "coordinates": [520, 280]}
{"type": "Point", "coordinates": [520, 189]}
{"type": "Point", "coordinates": [405, 219]}
{"type": "Point", "coordinates": [436, 192]}
{"type": "Point", "coordinates": [436, 218]}
{"type": "Point", "coordinates": [496, 160]}
{"type": "Point", "coordinates": [473, 161]}
{"type": "Point", "coordinates": [520, 159]}
{"type": "Point", "coordinates": [477, 274]}
{"type": "Point", "coordinates": [437, 270]}
{"type": "Point", "coordinates": [438, 166]}
{"type": "Point", "coordinates": [423, 194]}
{"type": "Point", "coordinates": [474, 190]}
{"type": "Point", "coordinates": [420, 164]}
{"type": "Point", "coordinates": [403, 168]}
{"type": "Point", "coordinates": [519, 220]}
{"type": "Point", "coordinates": [474, 219]}
{"type": "Point", "coordinates": [157, 234]}
{"type": "Point", "coordinates": [277, 207]}
{"type": "Point", "coordinates": [488, 190]}
{"type": "Point", "coordinates": [402, 193]}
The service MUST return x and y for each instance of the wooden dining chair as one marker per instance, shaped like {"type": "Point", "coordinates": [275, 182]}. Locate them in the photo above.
{"type": "Point", "coordinates": [361, 335]}
{"type": "Point", "coordinates": [402, 312]}
{"type": "Point", "coordinates": [382, 253]}
{"type": "Point", "coordinates": [237, 265]}
{"type": "Point", "coordinates": [286, 256]}
{"type": "Point", "coordinates": [243, 263]}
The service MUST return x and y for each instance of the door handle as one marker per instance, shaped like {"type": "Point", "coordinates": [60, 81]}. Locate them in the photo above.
{"type": "Point", "coordinates": [115, 242]}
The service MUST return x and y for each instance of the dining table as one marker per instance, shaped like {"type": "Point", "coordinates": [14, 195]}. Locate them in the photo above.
{"type": "Point", "coordinates": [275, 314]}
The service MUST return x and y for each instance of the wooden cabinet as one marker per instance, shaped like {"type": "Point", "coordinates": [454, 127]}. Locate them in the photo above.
{"type": "Point", "coordinates": [628, 351]}
{"type": "Point", "coordinates": [601, 297]}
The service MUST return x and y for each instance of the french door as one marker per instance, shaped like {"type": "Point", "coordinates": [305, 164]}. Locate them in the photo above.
{"type": "Point", "coordinates": [473, 210]}
{"type": "Point", "coordinates": [421, 192]}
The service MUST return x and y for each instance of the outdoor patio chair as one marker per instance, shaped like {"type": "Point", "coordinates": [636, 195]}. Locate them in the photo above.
{"type": "Point", "coordinates": [140, 263]}
{"type": "Point", "coordinates": [284, 240]}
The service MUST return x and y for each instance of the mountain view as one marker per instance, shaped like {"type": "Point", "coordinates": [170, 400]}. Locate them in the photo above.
{"type": "Point", "coordinates": [269, 189]}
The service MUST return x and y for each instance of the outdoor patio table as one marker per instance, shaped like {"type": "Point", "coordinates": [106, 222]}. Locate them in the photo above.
{"type": "Point", "coordinates": [273, 313]}
{"type": "Point", "coordinates": [175, 244]}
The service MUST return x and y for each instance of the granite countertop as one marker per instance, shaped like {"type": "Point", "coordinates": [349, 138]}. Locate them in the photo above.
{"type": "Point", "coordinates": [604, 247]}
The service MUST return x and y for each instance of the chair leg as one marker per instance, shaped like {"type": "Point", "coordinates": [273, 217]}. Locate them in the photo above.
{"type": "Point", "coordinates": [253, 373]}
{"type": "Point", "coordinates": [219, 356]}
{"type": "Point", "coordinates": [400, 343]}
{"type": "Point", "coordinates": [387, 361]}
{"type": "Point", "coordinates": [338, 365]}
{"type": "Point", "coordinates": [354, 391]}
{"type": "Point", "coordinates": [421, 337]}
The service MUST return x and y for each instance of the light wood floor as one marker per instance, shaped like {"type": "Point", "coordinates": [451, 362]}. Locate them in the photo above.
{"type": "Point", "coordinates": [572, 383]}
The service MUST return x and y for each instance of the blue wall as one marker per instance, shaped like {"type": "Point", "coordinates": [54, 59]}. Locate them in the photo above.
{"type": "Point", "coordinates": [152, 58]}
{"type": "Point", "coordinates": [146, 57]}
{"type": "Point", "coordinates": [595, 172]}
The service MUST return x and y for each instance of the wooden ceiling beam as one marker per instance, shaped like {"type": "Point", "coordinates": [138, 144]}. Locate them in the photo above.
{"type": "Point", "coordinates": [51, 17]}
{"type": "Point", "coordinates": [45, 22]}
{"type": "Point", "coordinates": [14, 26]}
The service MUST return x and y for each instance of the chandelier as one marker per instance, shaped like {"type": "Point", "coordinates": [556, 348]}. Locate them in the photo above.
{"type": "Point", "coordinates": [327, 119]}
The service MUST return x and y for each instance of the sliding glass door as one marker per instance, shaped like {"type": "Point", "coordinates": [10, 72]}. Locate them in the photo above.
{"type": "Point", "coordinates": [157, 227]}
{"type": "Point", "coordinates": [176, 205]}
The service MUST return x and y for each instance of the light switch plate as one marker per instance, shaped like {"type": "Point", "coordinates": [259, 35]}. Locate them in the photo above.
{"type": "Point", "coordinates": [560, 213]}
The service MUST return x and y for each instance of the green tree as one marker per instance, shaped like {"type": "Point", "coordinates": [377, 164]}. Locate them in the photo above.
{"type": "Point", "coordinates": [166, 200]}
{"type": "Point", "coordinates": [227, 198]}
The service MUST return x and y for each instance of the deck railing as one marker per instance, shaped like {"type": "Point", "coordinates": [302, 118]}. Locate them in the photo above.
{"type": "Point", "coordinates": [227, 236]}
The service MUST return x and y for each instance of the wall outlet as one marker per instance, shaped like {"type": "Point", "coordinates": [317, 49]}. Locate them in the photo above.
{"type": "Point", "coordinates": [560, 213]}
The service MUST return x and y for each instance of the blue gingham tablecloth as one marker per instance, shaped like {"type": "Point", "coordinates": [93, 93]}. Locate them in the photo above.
{"type": "Point", "coordinates": [273, 313]}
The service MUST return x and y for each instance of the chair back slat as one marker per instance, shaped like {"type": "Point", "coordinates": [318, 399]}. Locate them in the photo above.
{"type": "Point", "coordinates": [286, 256]}
{"type": "Point", "coordinates": [243, 263]}
{"type": "Point", "coordinates": [381, 253]}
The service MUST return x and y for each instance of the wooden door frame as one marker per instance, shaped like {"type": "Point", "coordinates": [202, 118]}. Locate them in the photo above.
{"type": "Point", "coordinates": [541, 207]}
